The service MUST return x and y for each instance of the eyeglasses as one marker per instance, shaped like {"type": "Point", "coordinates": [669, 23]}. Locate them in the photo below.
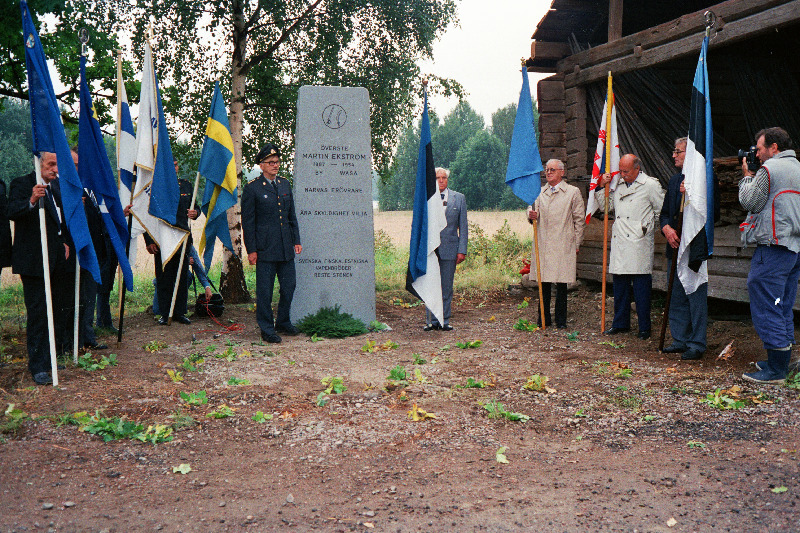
{"type": "Point", "coordinates": [273, 163]}
{"type": "Point", "coordinates": [551, 170]}
{"type": "Point", "coordinates": [676, 152]}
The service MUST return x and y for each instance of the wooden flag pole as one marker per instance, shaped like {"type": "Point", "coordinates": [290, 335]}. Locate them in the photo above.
{"type": "Point", "coordinates": [48, 296]}
{"type": "Point", "coordinates": [538, 271]}
{"type": "Point", "coordinates": [609, 107]}
{"type": "Point", "coordinates": [672, 269]}
{"type": "Point", "coordinates": [183, 252]}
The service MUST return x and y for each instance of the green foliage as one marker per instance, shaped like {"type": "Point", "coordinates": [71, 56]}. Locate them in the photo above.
{"type": "Point", "coordinates": [233, 381]}
{"type": "Point", "coordinates": [182, 420]}
{"type": "Point", "coordinates": [260, 417]}
{"type": "Point", "coordinates": [398, 374]}
{"type": "Point", "coordinates": [154, 346]}
{"type": "Point", "coordinates": [469, 344]}
{"type": "Point", "coordinates": [418, 359]}
{"type": "Point", "coordinates": [536, 383]}
{"type": "Point", "coordinates": [223, 411]}
{"type": "Point", "coordinates": [322, 399]}
{"type": "Point", "coordinates": [472, 384]}
{"type": "Point", "coordinates": [193, 363]}
{"type": "Point", "coordinates": [523, 324]}
{"type": "Point", "coordinates": [723, 400]}
{"type": "Point", "coordinates": [498, 410]}
{"type": "Point", "coordinates": [334, 385]}
{"type": "Point", "coordinates": [120, 428]}
{"type": "Point", "coordinates": [332, 323]}
{"type": "Point", "coordinates": [12, 419]}
{"type": "Point", "coordinates": [377, 325]}
{"type": "Point", "coordinates": [90, 364]}
{"type": "Point", "coordinates": [479, 169]}
{"type": "Point", "coordinates": [457, 128]}
{"type": "Point", "coordinates": [624, 373]}
{"type": "Point", "coordinates": [572, 336]}
{"type": "Point", "coordinates": [581, 413]}
{"type": "Point", "coordinates": [503, 248]}
{"type": "Point", "coordinates": [793, 381]}
{"type": "Point", "coordinates": [693, 444]}
{"type": "Point", "coordinates": [194, 398]}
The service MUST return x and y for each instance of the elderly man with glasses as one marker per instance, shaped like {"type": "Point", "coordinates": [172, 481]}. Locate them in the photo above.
{"type": "Point", "coordinates": [560, 212]}
{"type": "Point", "coordinates": [272, 239]}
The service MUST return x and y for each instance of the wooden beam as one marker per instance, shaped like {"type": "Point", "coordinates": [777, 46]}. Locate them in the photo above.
{"type": "Point", "coordinates": [549, 50]}
{"type": "Point", "coordinates": [614, 20]}
{"type": "Point", "coordinates": [658, 49]}
{"type": "Point", "coordinates": [688, 24]}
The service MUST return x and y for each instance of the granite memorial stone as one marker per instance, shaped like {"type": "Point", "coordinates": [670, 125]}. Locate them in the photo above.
{"type": "Point", "coordinates": [333, 202]}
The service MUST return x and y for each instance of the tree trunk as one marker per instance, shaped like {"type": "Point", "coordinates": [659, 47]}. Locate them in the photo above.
{"type": "Point", "coordinates": [232, 283]}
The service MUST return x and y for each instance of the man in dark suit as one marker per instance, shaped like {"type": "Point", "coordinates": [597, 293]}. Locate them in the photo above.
{"type": "Point", "coordinates": [272, 239]}
{"type": "Point", "coordinates": [168, 273]}
{"type": "Point", "coordinates": [5, 229]}
{"type": "Point", "coordinates": [452, 248]}
{"type": "Point", "coordinates": [25, 199]}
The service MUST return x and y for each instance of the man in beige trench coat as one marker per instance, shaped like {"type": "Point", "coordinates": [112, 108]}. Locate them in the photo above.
{"type": "Point", "coordinates": [560, 212]}
{"type": "Point", "coordinates": [636, 203]}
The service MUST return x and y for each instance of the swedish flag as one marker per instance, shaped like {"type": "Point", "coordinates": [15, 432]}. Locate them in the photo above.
{"type": "Point", "coordinates": [218, 167]}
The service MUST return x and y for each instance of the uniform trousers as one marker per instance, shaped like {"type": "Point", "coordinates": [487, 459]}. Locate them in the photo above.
{"type": "Point", "coordinates": [165, 284]}
{"type": "Point", "coordinates": [642, 286]}
{"type": "Point", "coordinates": [265, 284]}
{"type": "Point", "coordinates": [88, 299]}
{"type": "Point", "coordinates": [688, 316]}
{"type": "Point", "coordinates": [108, 269]}
{"type": "Point", "coordinates": [772, 286]}
{"type": "Point", "coordinates": [447, 269]}
{"type": "Point", "coordinates": [62, 284]}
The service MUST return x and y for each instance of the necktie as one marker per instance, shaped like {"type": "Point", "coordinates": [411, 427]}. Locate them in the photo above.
{"type": "Point", "coordinates": [274, 187]}
{"type": "Point", "coordinates": [52, 201]}
{"type": "Point", "coordinates": [442, 196]}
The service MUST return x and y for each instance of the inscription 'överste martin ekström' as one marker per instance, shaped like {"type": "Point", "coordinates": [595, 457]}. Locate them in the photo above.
{"type": "Point", "coordinates": [333, 201]}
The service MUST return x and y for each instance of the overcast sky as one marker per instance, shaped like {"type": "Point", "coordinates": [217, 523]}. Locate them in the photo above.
{"type": "Point", "coordinates": [483, 53]}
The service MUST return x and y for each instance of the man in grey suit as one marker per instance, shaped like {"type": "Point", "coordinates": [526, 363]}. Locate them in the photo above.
{"type": "Point", "coordinates": [453, 247]}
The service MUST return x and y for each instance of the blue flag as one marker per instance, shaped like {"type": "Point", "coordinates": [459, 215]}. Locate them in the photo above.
{"type": "Point", "coordinates": [524, 162]}
{"type": "Point", "coordinates": [218, 167]}
{"type": "Point", "coordinates": [697, 237]}
{"type": "Point", "coordinates": [423, 278]}
{"type": "Point", "coordinates": [97, 176]}
{"type": "Point", "coordinates": [48, 136]}
{"type": "Point", "coordinates": [165, 192]}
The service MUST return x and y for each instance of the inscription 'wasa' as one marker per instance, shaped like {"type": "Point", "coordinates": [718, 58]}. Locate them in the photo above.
{"type": "Point", "coordinates": [348, 173]}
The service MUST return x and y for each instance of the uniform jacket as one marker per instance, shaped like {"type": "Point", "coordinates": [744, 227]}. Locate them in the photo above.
{"type": "Point", "coordinates": [560, 229]}
{"type": "Point", "coordinates": [778, 222]}
{"type": "Point", "coordinates": [269, 224]}
{"type": "Point", "coordinates": [455, 236]}
{"type": "Point", "coordinates": [636, 208]}
{"type": "Point", "coordinates": [5, 229]}
{"type": "Point", "coordinates": [26, 257]}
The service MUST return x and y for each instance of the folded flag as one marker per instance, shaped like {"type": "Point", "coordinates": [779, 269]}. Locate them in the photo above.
{"type": "Point", "coordinates": [126, 158]}
{"type": "Point", "coordinates": [523, 174]}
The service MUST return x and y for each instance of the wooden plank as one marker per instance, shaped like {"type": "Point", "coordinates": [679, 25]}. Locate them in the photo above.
{"type": "Point", "coordinates": [744, 28]}
{"type": "Point", "coordinates": [550, 89]}
{"type": "Point", "coordinates": [552, 122]}
{"type": "Point", "coordinates": [549, 50]}
{"type": "Point", "coordinates": [575, 146]}
{"type": "Point", "coordinates": [576, 129]}
{"type": "Point", "coordinates": [551, 106]}
{"type": "Point", "coordinates": [691, 23]}
{"type": "Point", "coordinates": [614, 20]}
{"type": "Point", "coordinates": [552, 139]}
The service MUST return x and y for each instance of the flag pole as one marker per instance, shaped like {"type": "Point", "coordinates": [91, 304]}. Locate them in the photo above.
{"type": "Point", "coordinates": [538, 271]}
{"type": "Point", "coordinates": [607, 169]}
{"type": "Point", "coordinates": [83, 36]}
{"type": "Point", "coordinates": [120, 304]}
{"type": "Point", "coordinates": [672, 269]}
{"type": "Point", "coordinates": [183, 252]}
{"type": "Point", "coordinates": [48, 296]}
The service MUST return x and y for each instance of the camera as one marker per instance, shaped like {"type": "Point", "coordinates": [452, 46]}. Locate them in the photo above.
{"type": "Point", "coordinates": [750, 158]}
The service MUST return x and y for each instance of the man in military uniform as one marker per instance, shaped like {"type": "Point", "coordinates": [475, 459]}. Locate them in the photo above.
{"type": "Point", "coordinates": [272, 239]}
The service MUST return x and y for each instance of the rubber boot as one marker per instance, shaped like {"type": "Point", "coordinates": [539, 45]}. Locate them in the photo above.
{"type": "Point", "coordinates": [775, 371]}
{"type": "Point", "coordinates": [794, 363]}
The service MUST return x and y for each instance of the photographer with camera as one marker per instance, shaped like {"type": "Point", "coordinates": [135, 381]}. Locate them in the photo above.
{"type": "Point", "coordinates": [771, 195]}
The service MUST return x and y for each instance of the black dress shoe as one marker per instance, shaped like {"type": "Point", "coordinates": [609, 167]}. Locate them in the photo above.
{"type": "Point", "coordinates": [183, 319]}
{"type": "Point", "coordinates": [288, 330]}
{"type": "Point", "coordinates": [162, 321]}
{"type": "Point", "coordinates": [431, 327]}
{"type": "Point", "coordinates": [42, 378]}
{"type": "Point", "coordinates": [615, 331]}
{"type": "Point", "coordinates": [272, 338]}
{"type": "Point", "coordinates": [561, 327]}
{"type": "Point", "coordinates": [95, 346]}
{"type": "Point", "coordinates": [691, 355]}
{"type": "Point", "coordinates": [446, 327]}
{"type": "Point", "coordinates": [675, 348]}
{"type": "Point", "coordinates": [644, 335]}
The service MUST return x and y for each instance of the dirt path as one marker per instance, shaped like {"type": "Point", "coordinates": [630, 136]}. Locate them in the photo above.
{"type": "Point", "coordinates": [603, 452]}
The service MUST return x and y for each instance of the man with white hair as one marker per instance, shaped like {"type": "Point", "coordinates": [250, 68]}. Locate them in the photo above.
{"type": "Point", "coordinates": [452, 248]}
{"type": "Point", "coordinates": [560, 211]}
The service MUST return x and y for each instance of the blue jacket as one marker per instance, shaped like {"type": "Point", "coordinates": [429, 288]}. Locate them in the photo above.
{"type": "Point", "coordinates": [269, 224]}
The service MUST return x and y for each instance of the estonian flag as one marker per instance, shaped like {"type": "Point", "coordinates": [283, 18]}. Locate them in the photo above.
{"type": "Point", "coordinates": [48, 136]}
{"type": "Point", "coordinates": [156, 197]}
{"type": "Point", "coordinates": [218, 167]}
{"type": "Point", "coordinates": [423, 279]}
{"type": "Point", "coordinates": [697, 237]}
{"type": "Point", "coordinates": [523, 174]}
{"type": "Point", "coordinates": [98, 177]}
{"type": "Point", "coordinates": [126, 158]}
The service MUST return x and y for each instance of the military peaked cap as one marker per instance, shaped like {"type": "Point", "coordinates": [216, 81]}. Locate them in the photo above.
{"type": "Point", "coordinates": [268, 150]}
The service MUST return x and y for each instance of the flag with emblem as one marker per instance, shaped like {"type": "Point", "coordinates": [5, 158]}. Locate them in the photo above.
{"type": "Point", "coordinates": [697, 236]}
{"type": "Point", "coordinates": [423, 278]}
{"type": "Point", "coordinates": [599, 165]}
{"type": "Point", "coordinates": [126, 157]}
{"type": "Point", "coordinates": [156, 195]}
{"type": "Point", "coordinates": [48, 136]}
{"type": "Point", "coordinates": [523, 173]}
{"type": "Point", "coordinates": [218, 167]}
{"type": "Point", "coordinates": [97, 176]}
